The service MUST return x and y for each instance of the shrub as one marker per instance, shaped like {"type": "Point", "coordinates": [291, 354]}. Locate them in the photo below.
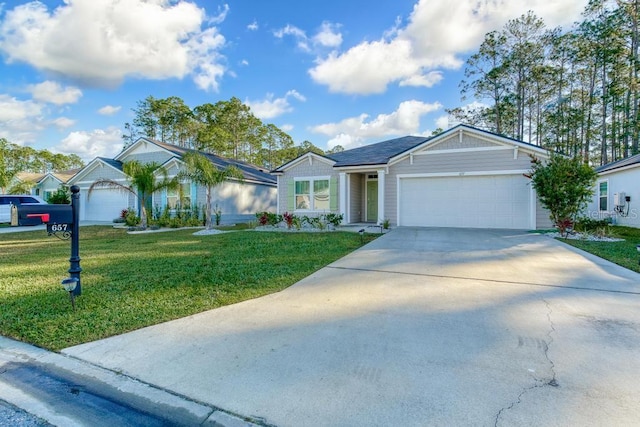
{"type": "Point", "coordinates": [564, 185]}
{"type": "Point", "coordinates": [333, 218]}
{"type": "Point", "coordinates": [268, 218]}
{"type": "Point", "coordinates": [288, 219]}
{"type": "Point", "coordinates": [60, 197]}
{"type": "Point", "coordinates": [131, 219]}
{"type": "Point", "coordinates": [587, 224]}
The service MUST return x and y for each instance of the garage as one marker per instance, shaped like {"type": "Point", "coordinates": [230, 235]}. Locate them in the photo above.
{"type": "Point", "coordinates": [470, 201]}
{"type": "Point", "coordinates": [104, 205]}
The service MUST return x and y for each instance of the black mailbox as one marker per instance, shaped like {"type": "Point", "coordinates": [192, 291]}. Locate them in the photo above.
{"type": "Point", "coordinates": [56, 217]}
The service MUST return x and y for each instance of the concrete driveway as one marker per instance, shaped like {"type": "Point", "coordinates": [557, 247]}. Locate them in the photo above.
{"type": "Point", "coordinates": [421, 327]}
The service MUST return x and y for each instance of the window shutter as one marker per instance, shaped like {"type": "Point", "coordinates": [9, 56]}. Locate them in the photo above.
{"type": "Point", "coordinates": [333, 193]}
{"type": "Point", "coordinates": [291, 195]}
{"type": "Point", "coordinates": [194, 194]}
{"type": "Point", "coordinates": [163, 199]}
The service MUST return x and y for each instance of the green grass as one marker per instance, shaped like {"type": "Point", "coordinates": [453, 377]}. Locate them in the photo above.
{"type": "Point", "coordinates": [623, 253]}
{"type": "Point", "coordinates": [134, 280]}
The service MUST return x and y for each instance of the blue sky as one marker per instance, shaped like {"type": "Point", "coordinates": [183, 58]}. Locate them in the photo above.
{"type": "Point", "coordinates": [348, 72]}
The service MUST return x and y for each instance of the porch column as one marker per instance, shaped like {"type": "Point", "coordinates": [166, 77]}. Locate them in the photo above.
{"type": "Point", "coordinates": [381, 192]}
{"type": "Point", "coordinates": [343, 207]}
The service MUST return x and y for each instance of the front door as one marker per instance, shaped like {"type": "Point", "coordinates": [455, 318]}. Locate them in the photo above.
{"type": "Point", "coordinates": [372, 201]}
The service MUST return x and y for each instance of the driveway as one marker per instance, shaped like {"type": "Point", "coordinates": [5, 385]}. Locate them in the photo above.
{"type": "Point", "coordinates": [420, 327]}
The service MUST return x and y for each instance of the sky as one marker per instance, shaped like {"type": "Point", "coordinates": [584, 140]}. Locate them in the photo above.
{"type": "Point", "coordinates": [333, 72]}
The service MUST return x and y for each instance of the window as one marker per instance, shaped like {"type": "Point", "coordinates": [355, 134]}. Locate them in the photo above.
{"type": "Point", "coordinates": [321, 195]}
{"type": "Point", "coordinates": [603, 192]}
{"type": "Point", "coordinates": [312, 194]}
{"type": "Point", "coordinates": [179, 199]}
{"type": "Point", "coordinates": [303, 195]}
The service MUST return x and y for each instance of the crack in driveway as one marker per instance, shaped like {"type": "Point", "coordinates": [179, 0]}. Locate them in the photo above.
{"type": "Point", "coordinates": [539, 383]}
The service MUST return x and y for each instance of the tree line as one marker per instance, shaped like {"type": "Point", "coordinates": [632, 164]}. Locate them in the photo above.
{"type": "Point", "coordinates": [15, 159]}
{"type": "Point", "coordinates": [226, 128]}
{"type": "Point", "coordinates": [576, 92]}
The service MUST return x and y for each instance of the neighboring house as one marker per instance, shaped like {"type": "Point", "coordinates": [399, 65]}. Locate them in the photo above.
{"type": "Point", "coordinates": [617, 192]}
{"type": "Point", "coordinates": [237, 200]}
{"type": "Point", "coordinates": [45, 184]}
{"type": "Point", "coordinates": [463, 177]}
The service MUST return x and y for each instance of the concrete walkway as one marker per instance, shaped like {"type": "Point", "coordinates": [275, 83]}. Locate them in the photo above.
{"type": "Point", "coordinates": [420, 327]}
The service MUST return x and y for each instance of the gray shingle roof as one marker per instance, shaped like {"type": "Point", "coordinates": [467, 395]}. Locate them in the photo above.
{"type": "Point", "coordinates": [376, 154]}
{"type": "Point", "coordinates": [633, 160]}
{"type": "Point", "coordinates": [250, 172]}
{"type": "Point", "coordinates": [115, 163]}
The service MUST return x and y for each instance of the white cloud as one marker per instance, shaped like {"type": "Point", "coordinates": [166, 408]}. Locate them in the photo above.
{"type": "Point", "coordinates": [54, 93]}
{"type": "Point", "coordinates": [437, 35]}
{"type": "Point", "coordinates": [102, 42]}
{"type": "Point", "coordinates": [272, 107]}
{"type": "Point", "coordinates": [63, 122]}
{"type": "Point", "coordinates": [299, 35]}
{"type": "Point", "coordinates": [109, 110]}
{"type": "Point", "coordinates": [221, 16]}
{"type": "Point", "coordinates": [286, 127]}
{"type": "Point", "coordinates": [353, 131]}
{"type": "Point", "coordinates": [88, 145]}
{"type": "Point", "coordinates": [328, 36]}
{"type": "Point", "coordinates": [253, 26]}
{"type": "Point", "coordinates": [21, 120]}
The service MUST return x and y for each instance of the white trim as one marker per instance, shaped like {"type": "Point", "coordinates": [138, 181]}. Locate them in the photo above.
{"type": "Point", "coordinates": [343, 200]}
{"type": "Point", "coordinates": [461, 173]}
{"type": "Point", "coordinates": [620, 169]}
{"type": "Point", "coordinates": [532, 195]}
{"type": "Point", "coordinates": [311, 180]}
{"type": "Point", "coordinates": [135, 145]}
{"type": "Point", "coordinates": [302, 158]}
{"type": "Point", "coordinates": [278, 194]}
{"type": "Point", "coordinates": [461, 129]}
{"type": "Point", "coordinates": [95, 163]}
{"type": "Point", "coordinates": [461, 150]}
{"type": "Point", "coordinates": [381, 193]}
{"type": "Point", "coordinates": [362, 168]}
{"type": "Point", "coordinates": [533, 204]}
{"type": "Point", "coordinates": [598, 182]}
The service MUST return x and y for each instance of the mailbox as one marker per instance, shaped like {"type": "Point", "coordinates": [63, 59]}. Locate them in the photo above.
{"type": "Point", "coordinates": [56, 217]}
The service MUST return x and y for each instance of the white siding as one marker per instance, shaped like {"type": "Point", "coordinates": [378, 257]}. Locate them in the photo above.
{"type": "Point", "coordinates": [627, 181]}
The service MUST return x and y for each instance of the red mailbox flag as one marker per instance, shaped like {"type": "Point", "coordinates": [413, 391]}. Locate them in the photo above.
{"type": "Point", "coordinates": [44, 217]}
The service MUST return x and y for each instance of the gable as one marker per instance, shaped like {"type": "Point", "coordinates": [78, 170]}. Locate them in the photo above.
{"type": "Point", "coordinates": [98, 169]}
{"type": "Point", "coordinates": [457, 142]}
{"type": "Point", "coordinates": [49, 181]}
{"type": "Point", "coordinates": [306, 159]}
{"type": "Point", "coordinates": [464, 139]}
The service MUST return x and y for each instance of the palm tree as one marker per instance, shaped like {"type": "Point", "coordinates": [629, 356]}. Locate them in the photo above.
{"type": "Point", "coordinates": [142, 184]}
{"type": "Point", "coordinates": [202, 171]}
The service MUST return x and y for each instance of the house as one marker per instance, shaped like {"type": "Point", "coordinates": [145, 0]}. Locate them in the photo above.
{"type": "Point", "coordinates": [237, 200]}
{"type": "Point", "coordinates": [463, 177]}
{"type": "Point", "coordinates": [617, 192]}
{"type": "Point", "coordinates": [45, 184]}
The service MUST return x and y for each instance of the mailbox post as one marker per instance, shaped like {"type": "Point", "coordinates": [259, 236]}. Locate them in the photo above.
{"type": "Point", "coordinates": [62, 219]}
{"type": "Point", "coordinates": [74, 261]}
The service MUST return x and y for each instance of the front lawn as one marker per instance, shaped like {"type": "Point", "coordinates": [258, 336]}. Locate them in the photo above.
{"type": "Point", "coordinates": [134, 280]}
{"type": "Point", "coordinates": [623, 253]}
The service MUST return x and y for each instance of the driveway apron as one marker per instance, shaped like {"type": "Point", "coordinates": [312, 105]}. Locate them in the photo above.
{"type": "Point", "coordinates": [423, 326]}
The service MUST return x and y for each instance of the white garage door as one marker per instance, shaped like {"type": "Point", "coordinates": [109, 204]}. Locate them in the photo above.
{"type": "Point", "coordinates": [104, 205]}
{"type": "Point", "coordinates": [496, 201]}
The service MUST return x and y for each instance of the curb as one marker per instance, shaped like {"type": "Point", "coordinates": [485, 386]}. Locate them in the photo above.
{"type": "Point", "coordinates": [175, 409]}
